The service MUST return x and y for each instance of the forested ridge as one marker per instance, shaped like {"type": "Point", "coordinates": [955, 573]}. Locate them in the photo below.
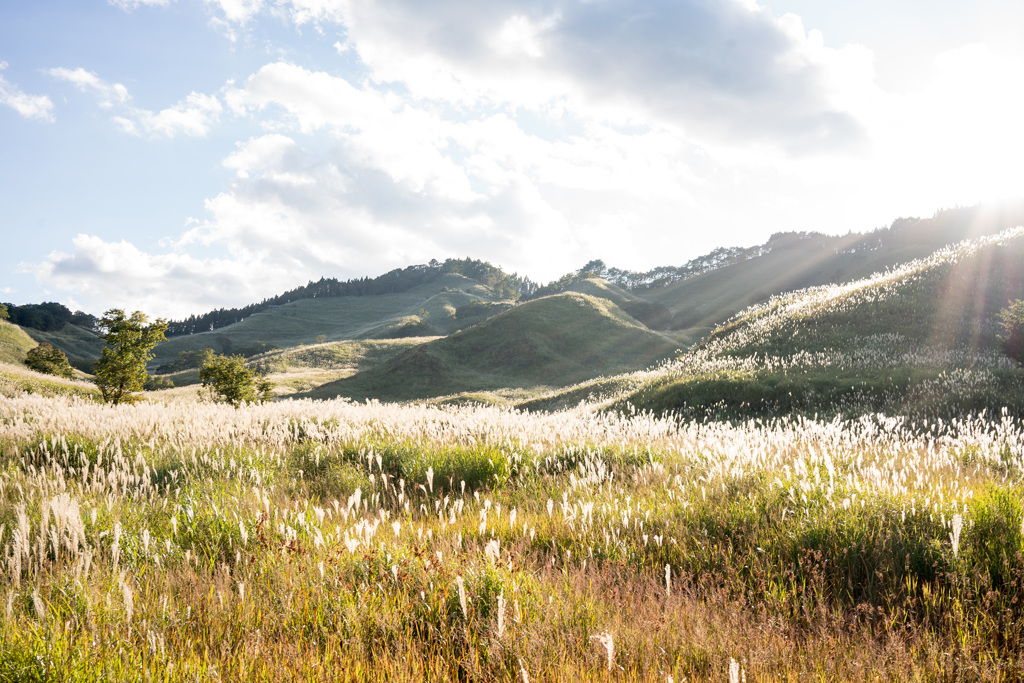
{"type": "Point", "coordinates": [504, 286]}
{"type": "Point", "coordinates": [48, 316]}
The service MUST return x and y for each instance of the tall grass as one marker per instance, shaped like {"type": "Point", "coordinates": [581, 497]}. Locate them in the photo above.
{"type": "Point", "coordinates": [341, 541]}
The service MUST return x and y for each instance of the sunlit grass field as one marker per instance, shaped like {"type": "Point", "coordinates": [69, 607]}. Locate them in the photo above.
{"type": "Point", "coordinates": [339, 541]}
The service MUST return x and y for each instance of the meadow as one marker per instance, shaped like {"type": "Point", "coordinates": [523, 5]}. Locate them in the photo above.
{"type": "Point", "coordinates": [333, 540]}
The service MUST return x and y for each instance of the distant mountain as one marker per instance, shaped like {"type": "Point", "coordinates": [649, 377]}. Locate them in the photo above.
{"type": "Point", "coordinates": [401, 280]}
{"type": "Point", "coordinates": [469, 326]}
{"type": "Point", "coordinates": [551, 341]}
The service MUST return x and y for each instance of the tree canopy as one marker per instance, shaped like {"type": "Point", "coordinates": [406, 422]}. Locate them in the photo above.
{"type": "Point", "coordinates": [121, 370]}
{"type": "Point", "coordinates": [46, 359]}
{"type": "Point", "coordinates": [48, 316]}
{"type": "Point", "coordinates": [232, 381]}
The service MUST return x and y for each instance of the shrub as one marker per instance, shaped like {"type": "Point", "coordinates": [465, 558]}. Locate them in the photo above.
{"type": "Point", "coordinates": [233, 381]}
{"type": "Point", "coordinates": [46, 359]}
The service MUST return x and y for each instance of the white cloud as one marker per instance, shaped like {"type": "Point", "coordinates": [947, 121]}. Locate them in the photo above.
{"type": "Point", "coordinates": [380, 131]}
{"type": "Point", "coordinates": [541, 135]}
{"type": "Point", "coordinates": [108, 94]}
{"type": "Point", "coordinates": [130, 5]}
{"type": "Point", "coordinates": [238, 11]}
{"type": "Point", "coordinates": [727, 69]}
{"type": "Point", "coordinates": [29, 106]}
{"type": "Point", "coordinates": [192, 116]}
{"type": "Point", "coordinates": [105, 274]}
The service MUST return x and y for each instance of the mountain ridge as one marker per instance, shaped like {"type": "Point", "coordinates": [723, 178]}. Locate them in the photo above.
{"type": "Point", "coordinates": [459, 340]}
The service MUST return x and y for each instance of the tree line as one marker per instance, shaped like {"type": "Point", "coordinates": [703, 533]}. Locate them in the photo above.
{"type": "Point", "coordinates": [48, 316]}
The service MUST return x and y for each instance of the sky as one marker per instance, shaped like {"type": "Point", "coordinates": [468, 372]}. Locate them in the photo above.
{"type": "Point", "coordinates": [176, 156]}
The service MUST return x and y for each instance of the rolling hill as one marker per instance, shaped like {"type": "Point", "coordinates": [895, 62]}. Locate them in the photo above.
{"type": "Point", "coordinates": [918, 339]}
{"type": "Point", "coordinates": [552, 341]}
{"type": "Point", "coordinates": [15, 378]}
{"type": "Point", "coordinates": [795, 261]}
{"type": "Point", "coordinates": [426, 310]}
{"type": "Point", "coordinates": [80, 345]}
{"type": "Point", "coordinates": [431, 330]}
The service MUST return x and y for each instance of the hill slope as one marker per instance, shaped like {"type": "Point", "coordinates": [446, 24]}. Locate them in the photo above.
{"type": "Point", "coordinates": [918, 339]}
{"type": "Point", "coordinates": [426, 310]}
{"type": "Point", "coordinates": [793, 261]}
{"type": "Point", "coordinates": [552, 341]}
{"type": "Point", "coordinates": [14, 343]}
{"type": "Point", "coordinates": [15, 378]}
{"type": "Point", "coordinates": [75, 342]}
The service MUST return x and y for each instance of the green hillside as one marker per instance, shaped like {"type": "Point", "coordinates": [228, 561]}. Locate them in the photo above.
{"type": "Point", "coordinates": [918, 339]}
{"type": "Point", "coordinates": [552, 341]}
{"type": "Point", "coordinates": [948, 300]}
{"type": "Point", "coordinates": [603, 289]}
{"type": "Point", "coordinates": [14, 343]}
{"type": "Point", "coordinates": [15, 378]}
{"type": "Point", "coordinates": [75, 342]}
{"type": "Point", "coordinates": [427, 310]}
{"type": "Point", "coordinates": [306, 367]}
{"type": "Point", "coordinates": [793, 261]}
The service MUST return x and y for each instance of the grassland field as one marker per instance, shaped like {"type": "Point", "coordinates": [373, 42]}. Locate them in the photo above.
{"type": "Point", "coordinates": [337, 541]}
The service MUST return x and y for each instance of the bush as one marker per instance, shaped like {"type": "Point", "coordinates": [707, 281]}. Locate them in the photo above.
{"type": "Point", "coordinates": [233, 381]}
{"type": "Point", "coordinates": [1011, 330]}
{"type": "Point", "coordinates": [46, 359]}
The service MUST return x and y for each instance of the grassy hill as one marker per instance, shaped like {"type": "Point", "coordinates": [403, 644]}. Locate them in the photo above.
{"type": "Point", "coordinates": [14, 343]}
{"type": "Point", "coordinates": [360, 334]}
{"type": "Point", "coordinates": [794, 261]}
{"type": "Point", "coordinates": [552, 341]}
{"type": "Point", "coordinates": [303, 368]}
{"type": "Point", "coordinates": [15, 378]}
{"type": "Point", "coordinates": [428, 310]}
{"type": "Point", "coordinates": [918, 340]}
{"type": "Point", "coordinates": [603, 289]}
{"type": "Point", "coordinates": [79, 345]}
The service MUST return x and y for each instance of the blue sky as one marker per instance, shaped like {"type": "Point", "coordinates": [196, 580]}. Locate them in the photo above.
{"type": "Point", "coordinates": [175, 156]}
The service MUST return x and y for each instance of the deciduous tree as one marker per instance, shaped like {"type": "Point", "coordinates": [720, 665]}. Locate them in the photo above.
{"type": "Point", "coordinates": [233, 381]}
{"type": "Point", "coordinates": [121, 371]}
